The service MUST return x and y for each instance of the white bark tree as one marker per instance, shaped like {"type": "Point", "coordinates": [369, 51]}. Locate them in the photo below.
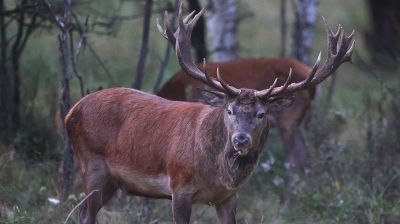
{"type": "Point", "coordinates": [303, 31]}
{"type": "Point", "coordinates": [221, 26]}
{"type": "Point", "coordinates": [305, 12]}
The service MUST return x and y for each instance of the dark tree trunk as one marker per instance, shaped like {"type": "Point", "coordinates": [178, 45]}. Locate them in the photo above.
{"type": "Point", "coordinates": [167, 52]}
{"type": "Point", "coordinates": [303, 30]}
{"type": "Point", "coordinates": [198, 34]}
{"type": "Point", "coordinates": [15, 70]}
{"type": "Point", "coordinates": [66, 170]}
{"type": "Point", "coordinates": [137, 84]}
{"type": "Point", "coordinates": [67, 166]}
{"type": "Point", "coordinates": [283, 29]}
{"type": "Point", "coordinates": [383, 36]}
{"type": "Point", "coordinates": [10, 78]}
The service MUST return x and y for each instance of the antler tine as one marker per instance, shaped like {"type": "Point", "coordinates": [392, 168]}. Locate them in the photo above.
{"type": "Point", "coordinates": [314, 68]}
{"type": "Point", "coordinates": [347, 56]}
{"type": "Point", "coordinates": [208, 77]}
{"type": "Point", "coordinates": [347, 49]}
{"type": "Point", "coordinates": [188, 17]}
{"type": "Point", "coordinates": [340, 49]}
{"type": "Point", "coordinates": [264, 94]}
{"type": "Point", "coordinates": [289, 78]}
{"type": "Point", "coordinates": [311, 76]}
{"type": "Point", "coordinates": [193, 22]}
{"type": "Point", "coordinates": [229, 89]}
{"type": "Point", "coordinates": [166, 32]}
{"type": "Point", "coordinates": [332, 37]}
{"type": "Point", "coordinates": [182, 45]}
{"type": "Point", "coordinates": [161, 30]}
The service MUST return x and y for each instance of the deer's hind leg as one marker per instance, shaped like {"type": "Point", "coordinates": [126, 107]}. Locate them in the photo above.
{"type": "Point", "coordinates": [100, 184]}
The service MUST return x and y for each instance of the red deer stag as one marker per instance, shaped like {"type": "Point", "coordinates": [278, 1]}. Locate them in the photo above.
{"type": "Point", "coordinates": [187, 152]}
{"type": "Point", "coordinates": [258, 73]}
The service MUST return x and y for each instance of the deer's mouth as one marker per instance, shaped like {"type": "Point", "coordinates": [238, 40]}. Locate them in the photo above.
{"type": "Point", "coordinates": [241, 151]}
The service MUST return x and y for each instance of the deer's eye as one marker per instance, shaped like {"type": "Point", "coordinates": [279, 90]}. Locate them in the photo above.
{"type": "Point", "coordinates": [260, 115]}
{"type": "Point", "coordinates": [229, 112]}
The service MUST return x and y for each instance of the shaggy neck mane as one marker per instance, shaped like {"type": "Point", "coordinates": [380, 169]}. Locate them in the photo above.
{"type": "Point", "coordinates": [232, 168]}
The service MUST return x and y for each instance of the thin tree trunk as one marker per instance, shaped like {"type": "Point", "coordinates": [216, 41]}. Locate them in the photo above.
{"type": "Point", "coordinates": [66, 177]}
{"type": "Point", "coordinates": [5, 93]}
{"type": "Point", "coordinates": [283, 29]}
{"type": "Point", "coordinates": [66, 171]}
{"type": "Point", "coordinates": [10, 77]}
{"type": "Point", "coordinates": [167, 53]}
{"type": "Point", "coordinates": [137, 84]}
{"type": "Point", "coordinates": [3, 43]}
{"type": "Point", "coordinates": [3, 40]}
{"type": "Point", "coordinates": [10, 80]}
{"type": "Point", "coordinates": [163, 65]}
{"type": "Point", "coordinates": [15, 70]}
{"type": "Point", "coordinates": [221, 23]}
{"type": "Point", "coordinates": [303, 30]}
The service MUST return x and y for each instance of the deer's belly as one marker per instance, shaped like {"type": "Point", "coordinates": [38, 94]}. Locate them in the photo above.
{"type": "Point", "coordinates": [156, 185]}
{"type": "Point", "coordinates": [212, 196]}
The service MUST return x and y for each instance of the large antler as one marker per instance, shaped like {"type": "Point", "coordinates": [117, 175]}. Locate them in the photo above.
{"type": "Point", "coordinates": [340, 49]}
{"type": "Point", "coordinates": [180, 39]}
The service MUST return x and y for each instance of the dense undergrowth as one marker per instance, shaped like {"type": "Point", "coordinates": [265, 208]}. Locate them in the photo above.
{"type": "Point", "coordinates": [349, 181]}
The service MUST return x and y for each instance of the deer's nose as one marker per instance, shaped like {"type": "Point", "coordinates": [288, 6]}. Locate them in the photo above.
{"type": "Point", "coordinates": [241, 140]}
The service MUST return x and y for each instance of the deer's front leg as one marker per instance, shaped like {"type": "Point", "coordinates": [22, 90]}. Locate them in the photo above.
{"type": "Point", "coordinates": [226, 210]}
{"type": "Point", "coordinates": [181, 207]}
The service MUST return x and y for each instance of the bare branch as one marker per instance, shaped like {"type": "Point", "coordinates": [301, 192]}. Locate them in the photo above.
{"type": "Point", "coordinates": [19, 35]}
{"type": "Point", "coordinates": [31, 27]}
{"type": "Point", "coordinates": [79, 204]}
{"type": "Point", "coordinates": [101, 62]}
{"type": "Point", "coordinates": [59, 23]}
{"type": "Point", "coordinates": [73, 62]}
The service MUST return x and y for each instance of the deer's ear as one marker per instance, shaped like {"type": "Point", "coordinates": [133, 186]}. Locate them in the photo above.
{"type": "Point", "coordinates": [278, 104]}
{"type": "Point", "coordinates": [213, 98]}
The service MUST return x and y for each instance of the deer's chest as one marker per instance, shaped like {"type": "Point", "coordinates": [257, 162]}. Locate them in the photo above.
{"type": "Point", "coordinates": [213, 194]}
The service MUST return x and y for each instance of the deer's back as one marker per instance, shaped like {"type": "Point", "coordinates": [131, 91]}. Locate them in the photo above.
{"type": "Point", "coordinates": [253, 73]}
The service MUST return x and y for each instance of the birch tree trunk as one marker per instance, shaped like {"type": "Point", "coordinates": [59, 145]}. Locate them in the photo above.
{"type": "Point", "coordinates": [297, 154]}
{"type": "Point", "coordinates": [221, 24]}
{"type": "Point", "coordinates": [303, 30]}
